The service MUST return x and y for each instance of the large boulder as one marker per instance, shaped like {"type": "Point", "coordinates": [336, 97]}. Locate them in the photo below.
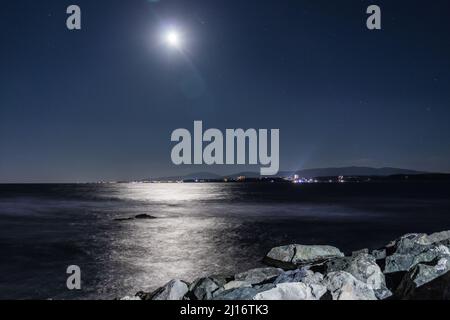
{"type": "Point", "coordinates": [430, 281]}
{"type": "Point", "coordinates": [259, 275]}
{"type": "Point", "coordinates": [294, 255]}
{"type": "Point", "coordinates": [442, 238]}
{"type": "Point", "coordinates": [411, 243]}
{"type": "Point", "coordinates": [364, 268]}
{"type": "Point", "coordinates": [404, 262]}
{"type": "Point", "coordinates": [174, 290]}
{"type": "Point", "coordinates": [343, 286]}
{"type": "Point", "coordinates": [293, 291]}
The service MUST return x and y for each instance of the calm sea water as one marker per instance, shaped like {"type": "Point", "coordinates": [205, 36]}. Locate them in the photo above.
{"type": "Point", "coordinates": [201, 229]}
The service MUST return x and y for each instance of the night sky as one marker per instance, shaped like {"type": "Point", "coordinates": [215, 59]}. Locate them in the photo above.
{"type": "Point", "coordinates": [101, 103]}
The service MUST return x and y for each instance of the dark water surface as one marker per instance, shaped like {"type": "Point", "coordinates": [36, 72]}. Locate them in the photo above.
{"type": "Point", "coordinates": [201, 229]}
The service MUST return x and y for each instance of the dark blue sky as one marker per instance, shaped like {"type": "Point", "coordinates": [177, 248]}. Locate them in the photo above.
{"type": "Point", "coordinates": [101, 103]}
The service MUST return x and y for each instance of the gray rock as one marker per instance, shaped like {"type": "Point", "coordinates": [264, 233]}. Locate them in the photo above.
{"type": "Point", "coordinates": [293, 291]}
{"type": "Point", "coordinates": [426, 282]}
{"type": "Point", "coordinates": [128, 298]}
{"type": "Point", "coordinates": [204, 288]}
{"type": "Point", "coordinates": [442, 238]}
{"type": "Point", "coordinates": [236, 284]}
{"type": "Point", "coordinates": [174, 290]}
{"type": "Point", "coordinates": [379, 254]}
{"type": "Point", "coordinates": [411, 243]}
{"type": "Point", "coordinates": [295, 255]}
{"type": "Point", "coordinates": [337, 264]}
{"type": "Point", "coordinates": [404, 262]}
{"type": "Point", "coordinates": [364, 268]}
{"type": "Point", "coordinates": [313, 278]}
{"type": "Point", "coordinates": [428, 276]}
{"type": "Point", "coordinates": [292, 276]}
{"type": "Point", "coordinates": [358, 252]}
{"type": "Point", "coordinates": [259, 275]}
{"type": "Point", "coordinates": [344, 286]}
{"type": "Point", "coordinates": [246, 293]}
{"type": "Point", "coordinates": [231, 285]}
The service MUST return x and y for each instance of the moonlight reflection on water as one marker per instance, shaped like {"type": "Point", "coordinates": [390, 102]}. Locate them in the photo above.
{"type": "Point", "coordinates": [200, 229]}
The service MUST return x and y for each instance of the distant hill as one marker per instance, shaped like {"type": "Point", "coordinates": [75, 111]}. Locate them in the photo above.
{"type": "Point", "coordinates": [355, 171]}
{"type": "Point", "coordinates": [306, 173]}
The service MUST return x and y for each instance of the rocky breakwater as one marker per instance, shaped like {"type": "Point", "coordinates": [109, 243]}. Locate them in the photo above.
{"type": "Point", "coordinates": [415, 266]}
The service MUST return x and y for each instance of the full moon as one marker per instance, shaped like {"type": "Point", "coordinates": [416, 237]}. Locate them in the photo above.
{"type": "Point", "coordinates": [173, 38]}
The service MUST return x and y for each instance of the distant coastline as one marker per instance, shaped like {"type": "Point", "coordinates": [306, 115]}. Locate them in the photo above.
{"type": "Point", "coordinates": [322, 175]}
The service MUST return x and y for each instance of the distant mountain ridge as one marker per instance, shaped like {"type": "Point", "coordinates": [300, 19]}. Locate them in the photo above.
{"type": "Point", "coordinates": [355, 171]}
{"type": "Point", "coordinates": [304, 173]}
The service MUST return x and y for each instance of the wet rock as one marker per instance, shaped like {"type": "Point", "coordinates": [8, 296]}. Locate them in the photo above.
{"type": "Point", "coordinates": [343, 286]}
{"type": "Point", "coordinates": [294, 255]}
{"type": "Point", "coordinates": [293, 291]}
{"type": "Point", "coordinates": [173, 290]}
{"type": "Point", "coordinates": [260, 275]}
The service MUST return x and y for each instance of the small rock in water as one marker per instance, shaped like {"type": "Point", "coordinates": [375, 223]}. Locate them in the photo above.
{"type": "Point", "coordinates": [139, 217]}
{"type": "Point", "coordinates": [144, 216]}
{"type": "Point", "coordinates": [123, 219]}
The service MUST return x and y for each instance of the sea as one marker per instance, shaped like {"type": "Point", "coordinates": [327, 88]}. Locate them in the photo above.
{"type": "Point", "coordinates": [199, 229]}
